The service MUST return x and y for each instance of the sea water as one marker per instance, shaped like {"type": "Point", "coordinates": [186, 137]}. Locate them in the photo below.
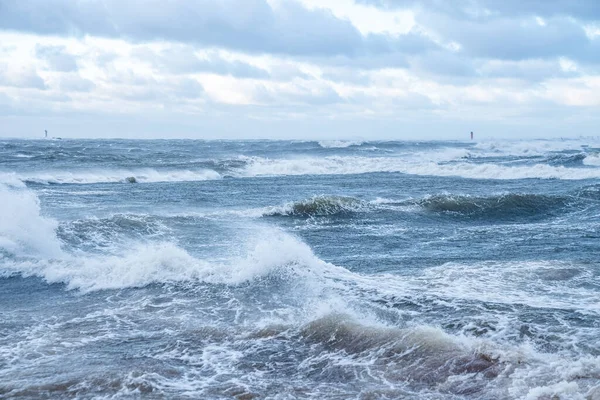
{"type": "Point", "coordinates": [300, 270]}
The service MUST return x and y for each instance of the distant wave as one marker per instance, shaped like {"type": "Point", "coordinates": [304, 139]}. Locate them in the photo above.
{"type": "Point", "coordinates": [500, 206]}
{"type": "Point", "coordinates": [528, 147]}
{"type": "Point", "coordinates": [445, 162]}
{"type": "Point", "coordinates": [338, 144]}
{"type": "Point", "coordinates": [566, 159]}
{"type": "Point", "coordinates": [509, 205]}
{"type": "Point", "coordinates": [495, 206]}
{"type": "Point", "coordinates": [319, 206]}
{"type": "Point", "coordinates": [340, 165]}
{"type": "Point", "coordinates": [115, 176]}
{"type": "Point", "coordinates": [592, 159]}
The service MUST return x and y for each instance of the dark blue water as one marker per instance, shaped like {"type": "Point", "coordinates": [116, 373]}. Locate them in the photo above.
{"type": "Point", "coordinates": [284, 270]}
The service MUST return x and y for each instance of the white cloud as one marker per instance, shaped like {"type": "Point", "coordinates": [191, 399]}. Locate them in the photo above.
{"type": "Point", "coordinates": [367, 19]}
{"type": "Point", "coordinates": [21, 77]}
{"type": "Point", "coordinates": [300, 62]}
{"type": "Point", "coordinates": [57, 58]}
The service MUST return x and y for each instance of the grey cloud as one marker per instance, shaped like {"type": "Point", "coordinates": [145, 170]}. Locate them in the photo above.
{"type": "Point", "coordinates": [164, 92]}
{"type": "Point", "coordinates": [6, 105]}
{"type": "Point", "coordinates": [302, 96]}
{"type": "Point", "coordinates": [482, 9]}
{"type": "Point", "coordinates": [57, 58]}
{"type": "Point", "coordinates": [25, 78]}
{"type": "Point", "coordinates": [410, 101]}
{"type": "Point", "coordinates": [582, 9]}
{"type": "Point", "coordinates": [126, 76]}
{"type": "Point", "coordinates": [515, 39]}
{"type": "Point", "coordinates": [443, 63]}
{"type": "Point", "coordinates": [183, 60]}
{"type": "Point", "coordinates": [235, 68]}
{"type": "Point", "coordinates": [347, 75]}
{"type": "Point", "coordinates": [287, 71]}
{"type": "Point", "coordinates": [529, 70]}
{"type": "Point", "coordinates": [247, 25]}
{"type": "Point", "coordinates": [189, 89]}
{"type": "Point", "coordinates": [507, 29]}
{"type": "Point", "coordinates": [75, 83]}
{"type": "Point", "coordinates": [375, 62]}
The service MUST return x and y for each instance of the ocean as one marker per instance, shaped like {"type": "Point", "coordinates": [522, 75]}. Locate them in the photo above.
{"type": "Point", "coordinates": [300, 269]}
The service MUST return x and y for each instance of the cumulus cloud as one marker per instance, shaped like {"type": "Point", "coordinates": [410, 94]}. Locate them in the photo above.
{"type": "Point", "coordinates": [534, 70]}
{"type": "Point", "coordinates": [57, 58]}
{"type": "Point", "coordinates": [180, 59]}
{"type": "Point", "coordinates": [246, 25]}
{"type": "Point", "coordinates": [443, 63]}
{"type": "Point", "coordinates": [75, 83]}
{"type": "Point", "coordinates": [298, 95]}
{"type": "Point", "coordinates": [509, 30]}
{"type": "Point", "coordinates": [249, 60]}
{"type": "Point", "coordinates": [474, 9]}
{"type": "Point", "coordinates": [511, 39]}
{"type": "Point", "coordinates": [24, 77]}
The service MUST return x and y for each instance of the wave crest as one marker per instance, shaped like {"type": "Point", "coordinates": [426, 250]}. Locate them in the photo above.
{"type": "Point", "coordinates": [504, 205]}
{"type": "Point", "coordinates": [142, 264]}
{"type": "Point", "coordinates": [23, 230]}
{"type": "Point", "coordinates": [118, 176]}
{"type": "Point", "coordinates": [339, 144]}
{"type": "Point", "coordinates": [320, 206]}
{"type": "Point", "coordinates": [419, 353]}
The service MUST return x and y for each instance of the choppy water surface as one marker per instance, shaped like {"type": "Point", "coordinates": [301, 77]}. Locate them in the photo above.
{"type": "Point", "coordinates": [309, 270]}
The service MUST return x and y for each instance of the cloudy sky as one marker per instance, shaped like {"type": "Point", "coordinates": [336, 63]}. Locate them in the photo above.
{"type": "Point", "coordinates": [401, 69]}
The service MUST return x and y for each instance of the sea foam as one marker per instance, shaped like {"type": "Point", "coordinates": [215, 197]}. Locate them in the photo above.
{"type": "Point", "coordinates": [340, 165]}
{"type": "Point", "coordinates": [23, 230]}
{"type": "Point", "coordinates": [118, 175]}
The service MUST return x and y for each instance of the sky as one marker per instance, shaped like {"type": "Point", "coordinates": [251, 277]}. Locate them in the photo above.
{"type": "Point", "coordinates": [300, 69]}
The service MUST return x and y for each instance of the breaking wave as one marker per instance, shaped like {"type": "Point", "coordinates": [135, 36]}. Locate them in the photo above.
{"type": "Point", "coordinates": [592, 159]}
{"type": "Point", "coordinates": [102, 233]}
{"type": "Point", "coordinates": [447, 163]}
{"type": "Point", "coordinates": [567, 159]}
{"type": "Point", "coordinates": [116, 176]}
{"type": "Point", "coordinates": [338, 144]}
{"type": "Point", "coordinates": [528, 148]}
{"type": "Point", "coordinates": [320, 206]}
{"type": "Point", "coordinates": [496, 206]}
{"type": "Point", "coordinates": [418, 354]}
{"type": "Point", "coordinates": [31, 247]}
{"type": "Point", "coordinates": [339, 165]}
{"type": "Point", "coordinates": [165, 262]}
{"type": "Point", "coordinates": [23, 230]}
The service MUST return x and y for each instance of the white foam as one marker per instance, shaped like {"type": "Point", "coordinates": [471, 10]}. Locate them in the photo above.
{"type": "Point", "coordinates": [542, 284]}
{"type": "Point", "coordinates": [143, 264]}
{"type": "Point", "coordinates": [382, 200]}
{"type": "Point", "coordinates": [10, 180]}
{"type": "Point", "coordinates": [338, 144]}
{"type": "Point", "coordinates": [23, 231]}
{"type": "Point", "coordinates": [592, 159]}
{"type": "Point", "coordinates": [337, 165]}
{"type": "Point", "coordinates": [527, 147]}
{"type": "Point", "coordinates": [559, 390]}
{"type": "Point", "coordinates": [500, 172]}
{"type": "Point", "coordinates": [119, 175]}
